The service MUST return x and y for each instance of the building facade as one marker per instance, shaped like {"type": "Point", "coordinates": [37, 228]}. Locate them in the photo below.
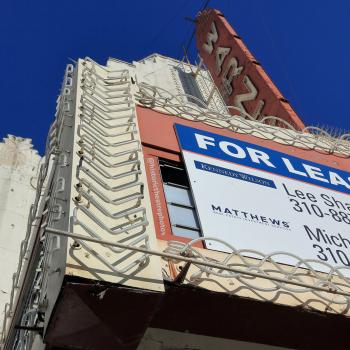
{"type": "Point", "coordinates": [135, 246]}
{"type": "Point", "coordinates": [19, 166]}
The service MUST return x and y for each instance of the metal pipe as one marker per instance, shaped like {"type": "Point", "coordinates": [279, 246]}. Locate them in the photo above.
{"type": "Point", "coordinates": [194, 261]}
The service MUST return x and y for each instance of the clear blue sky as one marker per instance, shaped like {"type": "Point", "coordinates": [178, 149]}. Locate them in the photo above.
{"type": "Point", "coordinates": [303, 45]}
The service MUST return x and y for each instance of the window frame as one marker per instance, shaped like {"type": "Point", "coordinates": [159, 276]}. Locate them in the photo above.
{"type": "Point", "coordinates": [179, 182]}
{"type": "Point", "coordinates": [158, 200]}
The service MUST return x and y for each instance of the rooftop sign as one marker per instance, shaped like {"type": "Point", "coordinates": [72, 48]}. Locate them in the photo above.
{"type": "Point", "coordinates": [239, 77]}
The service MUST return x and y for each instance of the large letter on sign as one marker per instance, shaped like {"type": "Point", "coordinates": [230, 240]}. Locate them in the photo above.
{"type": "Point", "coordinates": [249, 96]}
{"type": "Point", "coordinates": [220, 54]}
{"type": "Point", "coordinates": [212, 37]}
{"type": "Point", "coordinates": [230, 72]}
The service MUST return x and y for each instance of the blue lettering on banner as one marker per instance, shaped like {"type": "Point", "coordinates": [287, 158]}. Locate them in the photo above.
{"type": "Point", "coordinates": [234, 174]}
{"type": "Point", "coordinates": [261, 158]}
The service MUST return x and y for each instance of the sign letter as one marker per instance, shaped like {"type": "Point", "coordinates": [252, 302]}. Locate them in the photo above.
{"type": "Point", "coordinates": [212, 37]}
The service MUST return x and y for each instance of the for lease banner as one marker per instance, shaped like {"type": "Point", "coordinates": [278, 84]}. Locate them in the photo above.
{"type": "Point", "coordinates": [256, 198]}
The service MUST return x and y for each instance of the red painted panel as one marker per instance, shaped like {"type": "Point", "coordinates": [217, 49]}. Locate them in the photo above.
{"type": "Point", "coordinates": [158, 202]}
{"type": "Point", "coordinates": [157, 196]}
{"type": "Point", "coordinates": [274, 102]}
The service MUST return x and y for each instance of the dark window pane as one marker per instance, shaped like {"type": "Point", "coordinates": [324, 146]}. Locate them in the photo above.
{"type": "Point", "coordinates": [173, 173]}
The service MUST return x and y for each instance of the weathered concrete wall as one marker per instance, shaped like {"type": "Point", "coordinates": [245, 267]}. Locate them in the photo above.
{"type": "Point", "coordinates": [19, 164]}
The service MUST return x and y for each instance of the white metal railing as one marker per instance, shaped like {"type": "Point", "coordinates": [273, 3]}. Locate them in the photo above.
{"type": "Point", "coordinates": [312, 138]}
{"type": "Point", "coordinates": [260, 274]}
{"type": "Point", "coordinates": [108, 174]}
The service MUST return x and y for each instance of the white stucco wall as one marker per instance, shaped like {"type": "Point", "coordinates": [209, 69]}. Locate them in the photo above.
{"type": "Point", "coordinates": [19, 164]}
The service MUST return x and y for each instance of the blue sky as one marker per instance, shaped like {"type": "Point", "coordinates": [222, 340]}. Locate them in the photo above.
{"type": "Point", "coordinates": [303, 46]}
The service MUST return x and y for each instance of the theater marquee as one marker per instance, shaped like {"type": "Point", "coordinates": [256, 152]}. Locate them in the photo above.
{"type": "Point", "coordinates": [254, 197]}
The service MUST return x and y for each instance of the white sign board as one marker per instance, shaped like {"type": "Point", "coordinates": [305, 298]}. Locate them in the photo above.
{"type": "Point", "coordinates": [257, 198]}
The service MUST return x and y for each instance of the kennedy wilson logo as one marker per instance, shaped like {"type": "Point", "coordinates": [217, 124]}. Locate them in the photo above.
{"type": "Point", "coordinates": [259, 158]}
{"type": "Point", "coordinates": [238, 175]}
{"type": "Point", "coordinates": [256, 218]}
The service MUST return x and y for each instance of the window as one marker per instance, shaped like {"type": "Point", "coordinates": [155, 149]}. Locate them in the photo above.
{"type": "Point", "coordinates": [190, 87]}
{"type": "Point", "coordinates": [180, 204]}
